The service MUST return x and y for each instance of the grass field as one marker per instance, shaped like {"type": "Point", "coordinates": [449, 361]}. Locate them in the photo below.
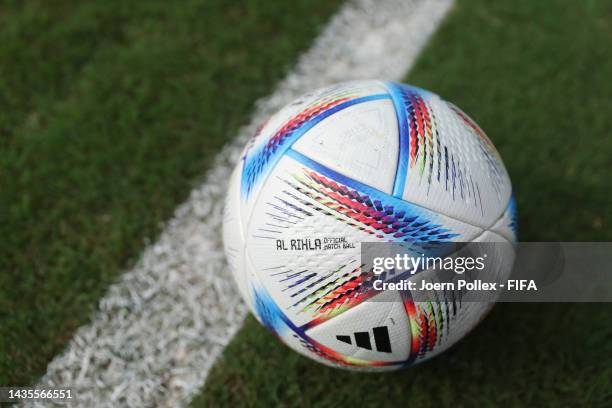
{"type": "Point", "coordinates": [536, 77]}
{"type": "Point", "coordinates": [109, 114]}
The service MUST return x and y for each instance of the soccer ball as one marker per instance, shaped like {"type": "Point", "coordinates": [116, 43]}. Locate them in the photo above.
{"type": "Point", "coordinates": [362, 161]}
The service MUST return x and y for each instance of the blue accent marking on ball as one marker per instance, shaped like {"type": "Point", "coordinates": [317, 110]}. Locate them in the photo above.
{"type": "Point", "coordinates": [512, 209]}
{"type": "Point", "coordinates": [272, 316]}
{"type": "Point", "coordinates": [257, 165]}
{"type": "Point", "coordinates": [268, 312]}
{"type": "Point", "coordinates": [401, 173]}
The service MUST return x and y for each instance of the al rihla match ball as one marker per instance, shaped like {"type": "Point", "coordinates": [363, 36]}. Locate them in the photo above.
{"type": "Point", "coordinates": [362, 161]}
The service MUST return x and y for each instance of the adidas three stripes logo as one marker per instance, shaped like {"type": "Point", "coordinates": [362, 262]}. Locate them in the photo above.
{"type": "Point", "coordinates": [362, 339]}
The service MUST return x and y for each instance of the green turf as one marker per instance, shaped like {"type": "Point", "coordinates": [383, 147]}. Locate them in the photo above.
{"type": "Point", "coordinates": [536, 76]}
{"type": "Point", "coordinates": [109, 113]}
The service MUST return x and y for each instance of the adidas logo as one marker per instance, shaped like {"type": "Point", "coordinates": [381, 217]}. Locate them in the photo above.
{"type": "Point", "coordinates": [362, 339]}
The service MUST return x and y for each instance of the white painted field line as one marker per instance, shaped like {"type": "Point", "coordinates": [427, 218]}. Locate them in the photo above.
{"type": "Point", "coordinates": [162, 326]}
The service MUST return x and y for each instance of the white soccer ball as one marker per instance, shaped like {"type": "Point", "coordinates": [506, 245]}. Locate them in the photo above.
{"type": "Point", "coordinates": [356, 162]}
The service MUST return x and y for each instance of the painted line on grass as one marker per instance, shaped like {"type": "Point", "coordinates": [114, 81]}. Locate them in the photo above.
{"type": "Point", "coordinates": [161, 327]}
